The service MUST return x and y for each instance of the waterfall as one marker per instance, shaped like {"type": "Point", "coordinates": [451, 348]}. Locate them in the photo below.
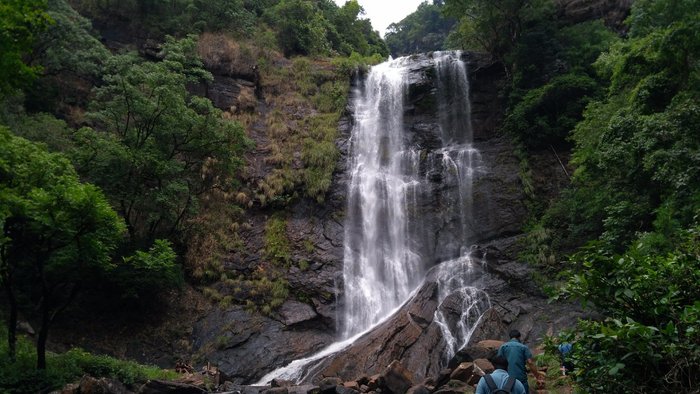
{"type": "Point", "coordinates": [381, 266]}
{"type": "Point", "coordinates": [388, 244]}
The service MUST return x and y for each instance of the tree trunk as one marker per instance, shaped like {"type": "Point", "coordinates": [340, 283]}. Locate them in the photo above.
{"type": "Point", "coordinates": [43, 335]}
{"type": "Point", "coordinates": [12, 326]}
{"type": "Point", "coordinates": [12, 320]}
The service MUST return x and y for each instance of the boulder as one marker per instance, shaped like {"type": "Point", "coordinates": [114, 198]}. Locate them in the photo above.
{"type": "Point", "coordinates": [484, 365]}
{"type": "Point", "coordinates": [482, 349]}
{"type": "Point", "coordinates": [327, 385]}
{"type": "Point", "coordinates": [418, 389]}
{"type": "Point", "coordinates": [463, 372]}
{"type": "Point", "coordinates": [397, 378]}
{"type": "Point", "coordinates": [276, 390]}
{"type": "Point", "coordinates": [454, 387]}
{"type": "Point", "coordinates": [90, 385]}
{"type": "Point", "coordinates": [281, 383]}
{"type": "Point", "coordinates": [304, 389]}
{"type": "Point", "coordinates": [345, 390]}
{"type": "Point", "coordinates": [167, 387]}
{"type": "Point", "coordinates": [443, 377]}
{"type": "Point", "coordinates": [375, 382]}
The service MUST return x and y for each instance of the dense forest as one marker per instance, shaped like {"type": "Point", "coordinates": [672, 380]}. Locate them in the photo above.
{"type": "Point", "coordinates": [120, 182]}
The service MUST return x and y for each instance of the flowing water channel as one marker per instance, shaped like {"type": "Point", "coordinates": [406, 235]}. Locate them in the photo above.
{"type": "Point", "coordinates": [387, 242]}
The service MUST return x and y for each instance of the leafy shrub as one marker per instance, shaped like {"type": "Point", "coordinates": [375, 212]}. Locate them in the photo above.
{"type": "Point", "coordinates": [649, 341]}
{"type": "Point", "coordinates": [277, 248]}
{"type": "Point", "coordinates": [146, 273]}
{"type": "Point", "coordinates": [20, 377]}
{"type": "Point", "coordinates": [546, 115]}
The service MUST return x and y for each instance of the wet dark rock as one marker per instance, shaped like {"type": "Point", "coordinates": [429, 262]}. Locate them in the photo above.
{"type": "Point", "coordinates": [328, 385]}
{"type": "Point", "coordinates": [397, 379]}
{"type": "Point", "coordinates": [489, 326]}
{"type": "Point", "coordinates": [230, 336]}
{"type": "Point", "coordinates": [345, 390]}
{"type": "Point", "coordinates": [281, 383]}
{"type": "Point", "coordinates": [304, 389]}
{"type": "Point", "coordinates": [454, 387]}
{"type": "Point", "coordinates": [463, 372]}
{"type": "Point", "coordinates": [276, 390]}
{"type": "Point", "coordinates": [293, 312]}
{"type": "Point", "coordinates": [167, 387]}
{"type": "Point", "coordinates": [418, 389]}
{"type": "Point", "coordinates": [443, 377]}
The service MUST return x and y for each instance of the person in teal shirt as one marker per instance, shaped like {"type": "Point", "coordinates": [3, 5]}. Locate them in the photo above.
{"type": "Point", "coordinates": [518, 355]}
{"type": "Point", "coordinates": [500, 378]}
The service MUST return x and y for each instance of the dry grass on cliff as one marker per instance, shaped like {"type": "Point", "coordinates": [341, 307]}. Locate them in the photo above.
{"type": "Point", "coordinates": [224, 54]}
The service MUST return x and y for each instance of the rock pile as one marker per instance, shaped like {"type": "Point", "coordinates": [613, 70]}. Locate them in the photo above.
{"type": "Point", "coordinates": [460, 376]}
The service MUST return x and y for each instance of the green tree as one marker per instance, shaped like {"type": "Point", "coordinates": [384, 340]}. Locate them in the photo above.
{"type": "Point", "coordinates": [20, 22]}
{"type": "Point", "coordinates": [301, 27]}
{"type": "Point", "coordinates": [636, 194]}
{"type": "Point", "coordinates": [424, 30]}
{"type": "Point", "coordinates": [494, 26]}
{"type": "Point", "coordinates": [71, 57]}
{"type": "Point", "coordinates": [57, 233]}
{"type": "Point", "coordinates": [155, 148]}
{"type": "Point", "coordinates": [652, 301]}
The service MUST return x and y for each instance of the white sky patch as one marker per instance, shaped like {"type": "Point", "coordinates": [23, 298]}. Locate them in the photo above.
{"type": "Point", "coordinates": [382, 13]}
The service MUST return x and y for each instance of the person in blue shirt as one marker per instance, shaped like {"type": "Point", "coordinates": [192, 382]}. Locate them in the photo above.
{"type": "Point", "coordinates": [518, 355]}
{"type": "Point", "coordinates": [500, 378]}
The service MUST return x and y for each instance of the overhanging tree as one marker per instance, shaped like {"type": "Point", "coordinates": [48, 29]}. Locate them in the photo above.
{"type": "Point", "coordinates": [155, 148]}
{"type": "Point", "coordinates": [20, 22]}
{"type": "Point", "coordinates": [56, 233]}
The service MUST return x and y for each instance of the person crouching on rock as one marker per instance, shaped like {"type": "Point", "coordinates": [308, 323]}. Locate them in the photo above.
{"type": "Point", "coordinates": [498, 381]}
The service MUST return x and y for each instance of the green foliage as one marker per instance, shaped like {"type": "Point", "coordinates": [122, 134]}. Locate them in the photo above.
{"type": "Point", "coordinates": [69, 44]}
{"type": "Point", "coordinates": [320, 155]}
{"type": "Point", "coordinates": [424, 30]}
{"type": "Point", "coordinates": [44, 128]}
{"type": "Point", "coordinates": [301, 28]}
{"type": "Point", "coordinates": [20, 23]}
{"type": "Point", "coordinates": [547, 114]}
{"type": "Point", "coordinates": [72, 59]}
{"type": "Point", "coordinates": [491, 26]}
{"type": "Point", "coordinates": [637, 191]}
{"type": "Point", "coordinates": [176, 17]}
{"type": "Point", "coordinates": [57, 232]}
{"type": "Point", "coordinates": [347, 66]}
{"type": "Point", "coordinates": [156, 148]}
{"type": "Point", "coordinates": [306, 27]}
{"type": "Point", "coordinates": [639, 146]}
{"type": "Point", "coordinates": [145, 273]}
{"type": "Point", "coordinates": [653, 301]}
{"type": "Point", "coordinates": [20, 376]}
{"type": "Point", "coordinates": [277, 249]}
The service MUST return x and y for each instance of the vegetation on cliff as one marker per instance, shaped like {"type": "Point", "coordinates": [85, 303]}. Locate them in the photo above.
{"type": "Point", "coordinates": [168, 182]}
{"type": "Point", "coordinates": [628, 109]}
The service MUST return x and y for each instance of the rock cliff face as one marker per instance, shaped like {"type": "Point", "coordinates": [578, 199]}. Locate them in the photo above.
{"type": "Point", "coordinates": [412, 335]}
{"type": "Point", "coordinates": [613, 12]}
{"type": "Point", "coordinates": [246, 346]}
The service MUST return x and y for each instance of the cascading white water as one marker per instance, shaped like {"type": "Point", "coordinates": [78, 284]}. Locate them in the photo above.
{"type": "Point", "coordinates": [380, 266]}
{"type": "Point", "coordinates": [456, 279]}
{"type": "Point", "coordinates": [385, 254]}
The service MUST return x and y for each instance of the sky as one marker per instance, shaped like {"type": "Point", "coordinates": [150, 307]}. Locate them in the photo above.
{"type": "Point", "coordinates": [382, 13]}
